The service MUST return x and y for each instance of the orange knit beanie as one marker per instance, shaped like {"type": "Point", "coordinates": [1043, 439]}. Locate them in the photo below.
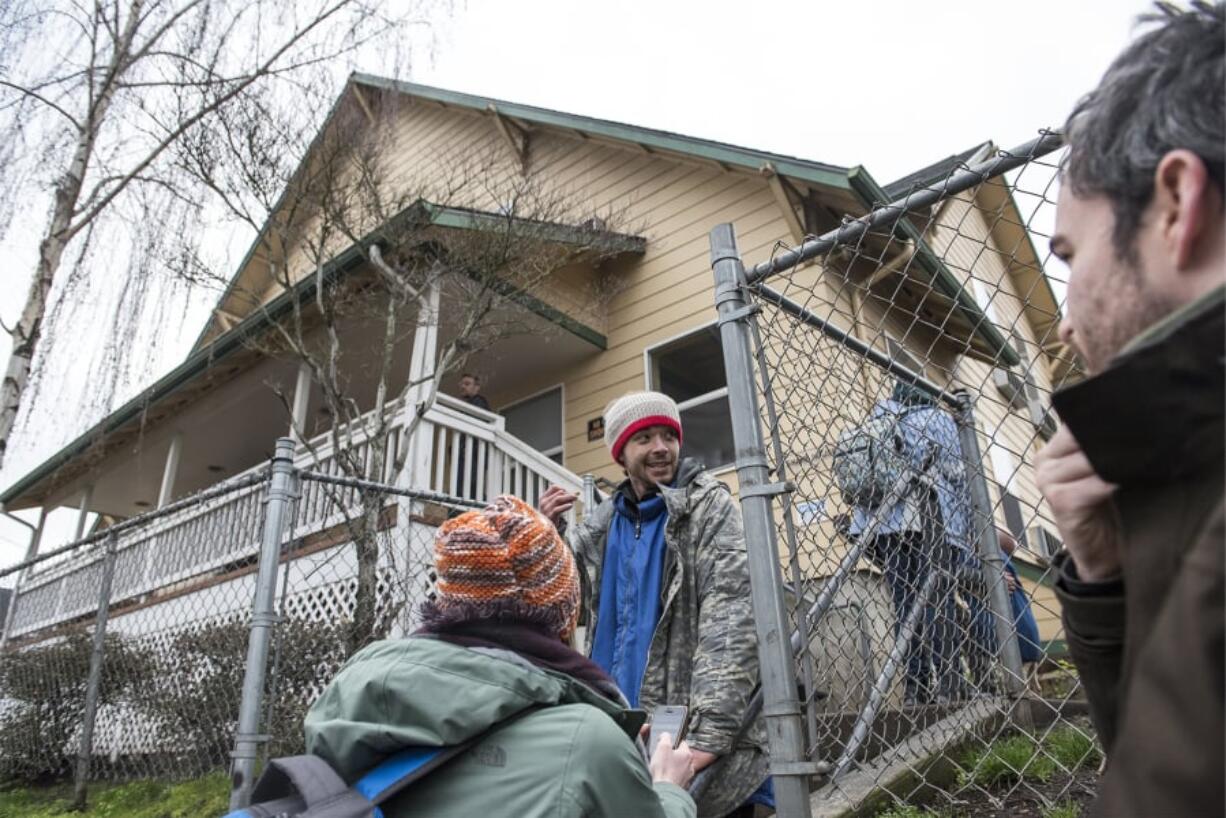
{"type": "Point", "coordinates": [505, 561]}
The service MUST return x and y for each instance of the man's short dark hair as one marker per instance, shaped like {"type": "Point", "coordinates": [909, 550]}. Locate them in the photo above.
{"type": "Point", "coordinates": [470, 375]}
{"type": "Point", "coordinates": [1163, 93]}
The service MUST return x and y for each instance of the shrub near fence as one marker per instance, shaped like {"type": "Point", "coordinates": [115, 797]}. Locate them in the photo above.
{"type": "Point", "coordinates": [174, 660]}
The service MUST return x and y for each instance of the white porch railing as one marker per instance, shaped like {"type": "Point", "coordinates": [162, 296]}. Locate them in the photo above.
{"type": "Point", "coordinates": [474, 457]}
{"type": "Point", "coordinates": [467, 452]}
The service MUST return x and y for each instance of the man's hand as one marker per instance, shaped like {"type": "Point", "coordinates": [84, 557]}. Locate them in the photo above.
{"type": "Point", "coordinates": [1080, 502]}
{"type": "Point", "coordinates": [1010, 582]}
{"type": "Point", "coordinates": [555, 502]}
{"type": "Point", "coordinates": [703, 759]}
{"type": "Point", "coordinates": [675, 765]}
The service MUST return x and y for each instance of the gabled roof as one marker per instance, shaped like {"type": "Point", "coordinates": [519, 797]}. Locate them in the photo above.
{"type": "Point", "coordinates": [648, 139]}
{"type": "Point", "coordinates": [1040, 305]}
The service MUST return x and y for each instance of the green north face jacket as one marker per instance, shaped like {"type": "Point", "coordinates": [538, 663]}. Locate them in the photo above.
{"type": "Point", "coordinates": [704, 653]}
{"type": "Point", "coordinates": [570, 758]}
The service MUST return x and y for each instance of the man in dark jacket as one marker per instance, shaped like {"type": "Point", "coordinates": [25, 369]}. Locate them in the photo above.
{"type": "Point", "coordinates": [667, 594]}
{"type": "Point", "coordinates": [1134, 477]}
{"type": "Point", "coordinates": [552, 733]}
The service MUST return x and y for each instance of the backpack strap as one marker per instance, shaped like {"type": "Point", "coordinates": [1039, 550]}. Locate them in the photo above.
{"type": "Point", "coordinates": [303, 785]}
{"type": "Point", "coordinates": [306, 786]}
{"type": "Point", "coordinates": [412, 763]}
{"type": "Point", "coordinates": [405, 767]}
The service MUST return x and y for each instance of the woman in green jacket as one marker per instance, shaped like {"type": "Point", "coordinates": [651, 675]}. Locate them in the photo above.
{"type": "Point", "coordinates": [494, 652]}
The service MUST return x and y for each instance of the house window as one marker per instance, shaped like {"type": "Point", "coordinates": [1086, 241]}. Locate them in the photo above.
{"type": "Point", "coordinates": [1017, 384]}
{"type": "Point", "coordinates": [1004, 467]}
{"type": "Point", "coordinates": [984, 299]}
{"type": "Point", "coordinates": [537, 421]}
{"type": "Point", "coordinates": [1043, 542]}
{"type": "Point", "coordinates": [690, 370]}
{"type": "Point", "coordinates": [1040, 415]}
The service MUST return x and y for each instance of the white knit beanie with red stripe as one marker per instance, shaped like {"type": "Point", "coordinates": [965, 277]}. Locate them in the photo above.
{"type": "Point", "coordinates": [635, 411]}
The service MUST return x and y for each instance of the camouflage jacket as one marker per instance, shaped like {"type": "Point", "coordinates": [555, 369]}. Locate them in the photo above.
{"type": "Point", "coordinates": [703, 653]}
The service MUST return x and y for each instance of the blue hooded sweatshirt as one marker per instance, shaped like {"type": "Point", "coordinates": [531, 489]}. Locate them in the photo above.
{"type": "Point", "coordinates": [630, 585]}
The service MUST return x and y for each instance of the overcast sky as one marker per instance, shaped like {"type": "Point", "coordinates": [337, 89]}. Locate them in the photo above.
{"type": "Point", "coordinates": [889, 84]}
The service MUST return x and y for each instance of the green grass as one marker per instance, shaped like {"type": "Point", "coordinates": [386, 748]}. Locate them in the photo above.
{"type": "Point", "coordinates": [1072, 748]}
{"type": "Point", "coordinates": [909, 811]}
{"type": "Point", "coordinates": [1068, 809]}
{"type": "Point", "coordinates": [206, 797]}
{"type": "Point", "coordinates": [1006, 761]}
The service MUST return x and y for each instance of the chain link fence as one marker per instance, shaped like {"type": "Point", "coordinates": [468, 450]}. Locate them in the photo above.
{"type": "Point", "coordinates": [888, 383]}
{"type": "Point", "coordinates": [888, 387]}
{"type": "Point", "coordinates": [118, 649]}
{"type": "Point", "coordinates": [192, 639]}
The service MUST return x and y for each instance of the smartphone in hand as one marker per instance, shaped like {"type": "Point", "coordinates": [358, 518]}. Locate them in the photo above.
{"type": "Point", "coordinates": [667, 718]}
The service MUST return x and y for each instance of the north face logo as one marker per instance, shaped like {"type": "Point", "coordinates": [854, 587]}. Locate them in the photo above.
{"type": "Point", "coordinates": [491, 755]}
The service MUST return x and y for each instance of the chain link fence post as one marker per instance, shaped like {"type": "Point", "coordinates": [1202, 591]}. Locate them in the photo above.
{"type": "Point", "coordinates": [94, 684]}
{"type": "Point", "coordinates": [990, 558]}
{"type": "Point", "coordinates": [263, 618]}
{"type": "Point", "coordinates": [781, 705]}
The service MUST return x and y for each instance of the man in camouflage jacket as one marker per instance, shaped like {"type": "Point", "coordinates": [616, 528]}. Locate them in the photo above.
{"type": "Point", "coordinates": [701, 652]}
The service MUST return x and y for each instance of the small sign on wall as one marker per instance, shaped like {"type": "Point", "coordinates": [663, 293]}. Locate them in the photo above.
{"type": "Point", "coordinates": [595, 429]}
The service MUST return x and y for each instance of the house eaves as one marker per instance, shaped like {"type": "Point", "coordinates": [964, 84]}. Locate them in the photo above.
{"type": "Point", "coordinates": [1039, 304]}
{"type": "Point", "coordinates": [196, 364]}
{"type": "Point", "coordinates": [303, 291]}
{"type": "Point", "coordinates": [943, 279]}
{"type": "Point", "coordinates": [647, 139]}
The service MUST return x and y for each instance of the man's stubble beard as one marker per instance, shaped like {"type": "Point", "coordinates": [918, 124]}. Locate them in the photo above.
{"type": "Point", "coordinates": [1122, 313]}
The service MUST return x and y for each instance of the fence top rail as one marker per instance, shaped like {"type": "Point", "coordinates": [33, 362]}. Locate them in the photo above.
{"type": "Point", "coordinates": [957, 182]}
{"type": "Point", "coordinates": [242, 481]}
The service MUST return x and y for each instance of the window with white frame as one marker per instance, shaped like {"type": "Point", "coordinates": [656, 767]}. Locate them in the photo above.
{"type": "Point", "coordinates": [537, 421]}
{"type": "Point", "coordinates": [1016, 384]}
{"type": "Point", "coordinates": [690, 370]}
{"type": "Point", "coordinates": [984, 298]}
{"type": "Point", "coordinates": [1004, 468]}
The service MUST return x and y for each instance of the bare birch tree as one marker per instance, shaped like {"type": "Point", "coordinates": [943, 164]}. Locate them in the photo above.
{"type": "Point", "coordinates": [94, 95]}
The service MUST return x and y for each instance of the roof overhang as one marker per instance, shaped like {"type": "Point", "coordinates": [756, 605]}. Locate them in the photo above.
{"type": "Point", "coordinates": [985, 341]}
{"type": "Point", "coordinates": [93, 444]}
{"type": "Point", "coordinates": [648, 140]}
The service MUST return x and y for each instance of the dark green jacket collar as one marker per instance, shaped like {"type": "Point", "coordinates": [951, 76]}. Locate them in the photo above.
{"type": "Point", "coordinates": [1156, 414]}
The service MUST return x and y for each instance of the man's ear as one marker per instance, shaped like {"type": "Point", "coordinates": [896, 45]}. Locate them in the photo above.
{"type": "Point", "coordinates": [1184, 200]}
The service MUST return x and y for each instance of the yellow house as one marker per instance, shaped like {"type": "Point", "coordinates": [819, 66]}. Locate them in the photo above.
{"type": "Point", "coordinates": [627, 304]}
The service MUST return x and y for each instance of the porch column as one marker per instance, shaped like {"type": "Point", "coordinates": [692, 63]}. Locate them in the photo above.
{"type": "Point", "coordinates": [171, 472]}
{"type": "Point", "coordinates": [422, 361]}
{"type": "Point", "coordinates": [87, 496]}
{"type": "Point", "coordinates": [421, 382]}
{"type": "Point", "coordinates": [425, 346]}
{"type": "Point", "coordinates": [418, 464]}
{"type": "Point", "coordinates": [36, 537]}
{"type": "Point", "coordinates": [301, 404]}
